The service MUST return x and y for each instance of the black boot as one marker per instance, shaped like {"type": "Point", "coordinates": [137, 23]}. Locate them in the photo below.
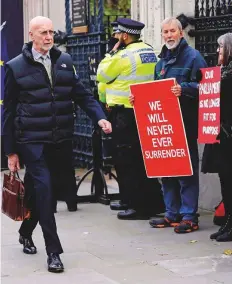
{"type": "Point", "coordinates": [72, 206]}
{"type": "Point", "coordinates": [28, 245]}
{"type": "Point", "coordinates": [226, 237]}
{"type": "Point", "coordinates": [54, 263]}
{"type": "Point", "coordinates": [223, 229]}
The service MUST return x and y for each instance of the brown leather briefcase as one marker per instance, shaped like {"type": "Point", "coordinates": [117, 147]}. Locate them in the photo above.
{"type": "Point", "coordinates": [13, 198]}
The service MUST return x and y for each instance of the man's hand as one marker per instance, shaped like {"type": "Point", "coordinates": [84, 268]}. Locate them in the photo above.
{"type": "Point", "coordinates": [176, 90]}
{"type": "Point", "coordinates": [131, 99]}
{"type": "Point", "coordinates": [13, 162]}
{"type": "Point", "coordinates": [105, 126]}
{"type": "Point", "coordinates": [116, 46]}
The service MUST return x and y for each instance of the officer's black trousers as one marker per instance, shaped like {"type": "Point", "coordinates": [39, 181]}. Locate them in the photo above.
{"type": "Point", "coordinates": [139, 192]}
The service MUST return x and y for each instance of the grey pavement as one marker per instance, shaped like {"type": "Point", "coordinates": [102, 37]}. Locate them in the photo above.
{"type": "Point", "coordinates": [100, 249]}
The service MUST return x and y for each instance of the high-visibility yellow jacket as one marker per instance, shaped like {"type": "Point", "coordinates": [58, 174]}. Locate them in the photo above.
{"type": "Point", "coordinates": [102, 92]}
{"type": "Point", "coordinates": [133, 64]}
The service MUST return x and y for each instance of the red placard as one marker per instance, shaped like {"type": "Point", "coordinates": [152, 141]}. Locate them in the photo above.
{"type": "Point", "coordinates": [209, 105]}
{"type": "Point", "coordinates": [161, 130]}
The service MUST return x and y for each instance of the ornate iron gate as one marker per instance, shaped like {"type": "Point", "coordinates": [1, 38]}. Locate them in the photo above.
{"type": "Point", "coordinates": [212, 19]}
{"type": "Point", "coordinates": [87, 50]}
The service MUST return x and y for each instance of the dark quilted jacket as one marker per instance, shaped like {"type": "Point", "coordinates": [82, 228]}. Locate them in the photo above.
{"type": "Point", "coordinates": [36, 110]}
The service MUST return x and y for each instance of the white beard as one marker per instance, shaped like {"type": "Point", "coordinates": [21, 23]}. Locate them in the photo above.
{"type": "Point", "coordinates": [47, 48]}
{"type": "Point", "coordinates": [174, 45]}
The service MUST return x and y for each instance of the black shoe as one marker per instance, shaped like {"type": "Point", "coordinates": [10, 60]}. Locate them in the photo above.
{"type": "Point", "coordinates": [54, 263]}
{"type": "Point", "coordinates": [215, 235]}
{"type": "Point", "coordinates": [72, 206]}
{"type": "Point", "coordinates": [118, 206]}
{"type": "Point", "coordinates": [28, 245]}
{"type": "Point", "coordinates": [225, 237]}
{"type": "Point", "coordinates": [222, 230]}
{"type": "Point", "coordinates": [131, 214]}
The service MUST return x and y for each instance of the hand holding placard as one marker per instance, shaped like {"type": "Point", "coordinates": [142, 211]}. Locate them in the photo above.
{"type": "Point", "coordinates": [161, 130]}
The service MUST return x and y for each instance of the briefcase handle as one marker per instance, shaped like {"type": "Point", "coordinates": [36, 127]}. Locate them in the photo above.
{"type": "Point", "coordinates": [12, 176]}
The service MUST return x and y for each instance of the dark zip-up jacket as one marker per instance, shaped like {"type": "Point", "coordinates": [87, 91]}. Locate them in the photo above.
{"type": "Point", "coordinates": [183, 64]}
{"type": "Point", "coordinates": [217, 157]}
{"type": "Point", "coordinates": [36, 111]}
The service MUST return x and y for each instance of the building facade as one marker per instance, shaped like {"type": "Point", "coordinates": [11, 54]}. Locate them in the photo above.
{"type": "Point", "coordinates": [54, 9]}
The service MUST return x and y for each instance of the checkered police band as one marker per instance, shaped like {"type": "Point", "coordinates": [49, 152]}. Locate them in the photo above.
{"type": "Point", "coordinates": [116, 30]}
{"type": "Point", "coordinates": [129, 31]}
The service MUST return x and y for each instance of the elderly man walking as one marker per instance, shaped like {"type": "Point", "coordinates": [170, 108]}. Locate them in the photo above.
{"type": "Point", "coordinates": [41, 86]}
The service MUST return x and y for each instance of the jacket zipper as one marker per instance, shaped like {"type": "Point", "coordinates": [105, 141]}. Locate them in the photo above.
{"type": "Point", "coordinates": [53, 98]}
{"type": "Point", "coordinates": [51, 86]}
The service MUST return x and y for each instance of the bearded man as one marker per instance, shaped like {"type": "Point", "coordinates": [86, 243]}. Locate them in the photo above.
{"type": "Point", "coordinates": [180, 61]}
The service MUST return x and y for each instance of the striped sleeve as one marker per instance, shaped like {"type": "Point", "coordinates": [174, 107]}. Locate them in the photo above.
{"type": "Point", "coordinates": [109, 69]}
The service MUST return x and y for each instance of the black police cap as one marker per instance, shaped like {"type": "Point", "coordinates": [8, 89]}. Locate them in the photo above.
{"type": "Point", "coordinates": [129, 26]}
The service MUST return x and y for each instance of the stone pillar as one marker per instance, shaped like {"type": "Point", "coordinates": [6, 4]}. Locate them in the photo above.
{"type": "Point", "coordinates": [54, 9]}
{"type": "Point", "coordinates": [57, 14]}
{"type": "Point", "coordinates": [150, 13]}
{"type": "Point", "coordinates": [153, 12]}
{"type": "Point", "coordinates": [186, 8]}
{"type": "Point", "coordinates": [135, 10]}
{"type": "Point", "coordinates": [31, 8]}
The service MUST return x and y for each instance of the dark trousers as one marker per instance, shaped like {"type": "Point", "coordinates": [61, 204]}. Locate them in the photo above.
{"type": "Point", "coordinates": [226, 190]}
{"type": "Point", "coordinates": [39, 160]}
{"type": "Point", "coordinates": [62, 173]}
{"type": "Point", "coordinates": [136, 190]}
{"type": "Point", "coordinates": [60, 163]}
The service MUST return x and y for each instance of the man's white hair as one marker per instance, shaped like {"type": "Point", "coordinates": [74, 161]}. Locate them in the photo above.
{"type": "Point", "coordinates": [171, 20]}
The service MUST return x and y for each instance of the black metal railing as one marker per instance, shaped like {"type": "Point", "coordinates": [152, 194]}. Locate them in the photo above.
{"type": "Point", "coordinates": [211, 8]}
{"type": "Point", "coordinates": [212, 19]}
{"type": "Point", "coordinates": [87, 50]}
{"type": "Point", "coordinates": [109, 19]}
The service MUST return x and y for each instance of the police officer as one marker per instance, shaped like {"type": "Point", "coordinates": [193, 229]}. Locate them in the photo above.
{"type": "Point", "coordinates": [116, 31]}
{"type": "Point", "coordinates": [130, 61]}
{"type": "Point", "coordinates": [111, 43]}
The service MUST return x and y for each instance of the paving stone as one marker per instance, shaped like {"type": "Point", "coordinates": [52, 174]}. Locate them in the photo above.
{"type": "Point", "coordinates": [100, 249]}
